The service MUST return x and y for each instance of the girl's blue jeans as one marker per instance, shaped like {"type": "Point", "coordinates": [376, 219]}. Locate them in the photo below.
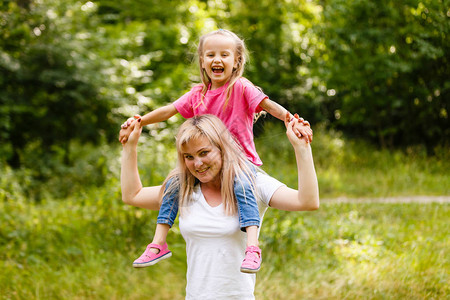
{"type": "Point", "coordinates": [246, 201]}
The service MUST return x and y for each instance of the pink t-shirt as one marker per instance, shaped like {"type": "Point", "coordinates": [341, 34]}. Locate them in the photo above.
{"type": "Point", "coordinates": [237, 116]}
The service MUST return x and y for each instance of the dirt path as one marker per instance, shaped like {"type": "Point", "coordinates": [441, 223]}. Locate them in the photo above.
{"type": "Point", "coordinates": [403, 199]}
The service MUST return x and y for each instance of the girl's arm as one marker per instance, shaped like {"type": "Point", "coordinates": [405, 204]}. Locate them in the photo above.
{"type": "Point", "coordinates": [279, 112]}
{"type": "Point", "coordinates": [274, 109]}
{"type": "Point", "coordinates": [307, 195]}
{"type": "Point", "coordinates": [132, 191]}
{"type": "Point", "coordinates": [158, 115]}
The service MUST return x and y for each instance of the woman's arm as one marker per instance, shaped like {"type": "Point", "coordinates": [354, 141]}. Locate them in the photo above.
{"type": "Point", "coordinates": [132, 191]}
{"type": "Point", "coordinates": [307, 196]}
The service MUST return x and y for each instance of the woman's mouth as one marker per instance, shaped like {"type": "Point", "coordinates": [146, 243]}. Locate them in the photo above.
{"type": "Point", "coordinates": [202, 171]}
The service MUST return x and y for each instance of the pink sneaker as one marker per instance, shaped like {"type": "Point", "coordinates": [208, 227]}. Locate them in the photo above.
{"type": "Point", "coordinates": [149, 258]}
{"type": "Point", "coordinates": [252, 260]}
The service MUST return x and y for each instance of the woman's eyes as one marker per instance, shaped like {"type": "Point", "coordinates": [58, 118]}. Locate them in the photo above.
{"type": "Point", "coordinates": [201, 154]}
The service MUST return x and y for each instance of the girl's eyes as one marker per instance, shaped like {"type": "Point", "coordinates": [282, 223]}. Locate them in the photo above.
{"type": "Point", "coordinates": [188, 157]}
{"type": "Point", "coordinates": [212, 55]}
{"type": "Point", "coordinates": [203, 153]}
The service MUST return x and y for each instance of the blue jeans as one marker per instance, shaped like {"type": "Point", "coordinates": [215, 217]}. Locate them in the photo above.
{"type": "Point", "coordinates": [246, 201]}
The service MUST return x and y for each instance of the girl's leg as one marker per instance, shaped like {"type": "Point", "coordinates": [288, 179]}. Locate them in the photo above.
{"type": "Point", "coordinates": [157, 250]}
{"type": "Point", "coordinates": [169, 207]}
{"type": "Point", "coordinates": [252, 236]}
{"type": "Point", "coordinates": [160, 236]}
{"type": "Point", "coordinates": [248, 210]}
{"type": "Point", "coordinates": [249, 221]}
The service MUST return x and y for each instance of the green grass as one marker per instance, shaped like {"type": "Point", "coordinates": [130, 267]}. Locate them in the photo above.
{"type": "Point", "coordinates": [83, 248]}
{"type": "Point", "coordinates": [356, 169]}
{"type": "Point", "coordinates": [357, 251]}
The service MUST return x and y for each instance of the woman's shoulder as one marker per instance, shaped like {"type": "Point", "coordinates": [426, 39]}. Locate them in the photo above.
{"type": "Point", "coordinates": [266, 185]}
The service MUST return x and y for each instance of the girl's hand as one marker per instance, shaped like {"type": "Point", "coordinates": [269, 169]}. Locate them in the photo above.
{"type": "Point", "coordinates": [292, 135]}
{"type": "Point", "coordinates": [133, 138]}
{"type": "Point", "coordinates": [126, 129]}
{"type": "Point", "coordinates": [302, 128]}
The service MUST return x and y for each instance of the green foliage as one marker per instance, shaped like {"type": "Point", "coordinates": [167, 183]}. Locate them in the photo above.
{"type": "Point", "coordinates": [51, 84]}
{"type": "Point", "coordinates": [72, 71]}
{"type": "Point", "coordinates": [352, 168]}
{"type": "Point", "coordinates": [48, 179]}
{"type": "Point", "coordinates": [78, 248]}
{"type": "Point", "coordinates": [386, 66]}
{"type": "Point", "coordinates": [283, 49]}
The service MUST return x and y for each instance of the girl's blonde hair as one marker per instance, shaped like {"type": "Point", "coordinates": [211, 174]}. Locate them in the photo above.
{"type": "Point", "coordinates": [241, 58]}
{"type": "Point", "coordinates": [234, 161]}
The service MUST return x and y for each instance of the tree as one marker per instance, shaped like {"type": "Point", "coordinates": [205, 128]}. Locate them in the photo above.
{"type": "Point", "coordinates": [283, 49]}
{"type": "Point", "coordinates": [51, 81]}
{"type": "Point", "coordinates": [387, 70]}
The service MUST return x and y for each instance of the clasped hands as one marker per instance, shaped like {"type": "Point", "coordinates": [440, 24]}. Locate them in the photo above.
{"type": "Point", "coordinates": [300, 127]}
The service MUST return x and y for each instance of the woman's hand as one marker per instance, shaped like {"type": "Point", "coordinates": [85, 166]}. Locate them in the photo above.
{"type": "Point", "coordinates": [302, 128]}
{"type": "Point", "coordinates": [290, 132]}
{"type": "Point", "coordinates": [135, 134]}
{"type": "Point", "coordinates": [126, 128]}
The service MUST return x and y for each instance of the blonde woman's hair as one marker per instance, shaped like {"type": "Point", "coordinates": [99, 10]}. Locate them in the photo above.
{"type": "Point", "coordinates": [241, 54]}
{"type": "Point", "coordinates": [234, 161]}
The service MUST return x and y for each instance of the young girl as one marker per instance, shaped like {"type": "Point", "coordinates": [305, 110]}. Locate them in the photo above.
{"type": "Point", "coordinates": [235, 100]}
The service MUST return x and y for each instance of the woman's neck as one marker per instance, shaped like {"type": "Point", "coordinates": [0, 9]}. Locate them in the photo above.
{"type": "Point", "coordinates": [212, 193]}
{"type": "Point", "coordinates": [215, 184]}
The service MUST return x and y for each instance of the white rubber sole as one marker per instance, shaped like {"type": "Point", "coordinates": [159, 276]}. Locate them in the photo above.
{"type": "Point", "coordinates": [151, 263]}
{"type": "Point", "coordinates": [250, 271]}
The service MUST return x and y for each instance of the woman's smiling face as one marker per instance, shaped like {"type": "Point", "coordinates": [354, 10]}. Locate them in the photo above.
{"type": "Point", "coordinates": [203, 160]}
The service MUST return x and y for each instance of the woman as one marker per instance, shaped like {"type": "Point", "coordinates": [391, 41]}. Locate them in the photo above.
{"type": "Point", "coordinates": [208, 161]}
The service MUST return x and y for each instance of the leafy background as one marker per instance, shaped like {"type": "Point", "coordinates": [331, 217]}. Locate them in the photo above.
{"type": "Point", "coordinates": [372, 77]}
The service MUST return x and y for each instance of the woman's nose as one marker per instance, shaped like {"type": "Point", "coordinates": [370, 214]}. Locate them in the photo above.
{"type": "Point", "coordinates": [198, 162]}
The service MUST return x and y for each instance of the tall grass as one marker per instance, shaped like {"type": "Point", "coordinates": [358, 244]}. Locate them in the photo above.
{"type": "Point", "coordinates": [82, 246]}
{"type": "Point", "coordinates": [356, 169]}
{"type": "Point", "coordinates": [357, 251]}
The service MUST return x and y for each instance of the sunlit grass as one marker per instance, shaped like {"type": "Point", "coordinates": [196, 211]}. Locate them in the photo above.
{"type": "Point", "coordinates": [83, 249]}
{"type": "Point", "coordinates": [357, 251]}
{"type": "Point", "coordinates": [356, 169]}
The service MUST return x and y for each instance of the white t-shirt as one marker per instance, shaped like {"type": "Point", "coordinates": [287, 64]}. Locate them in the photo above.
{"type": "Point", "coordinates": [215, 246]}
